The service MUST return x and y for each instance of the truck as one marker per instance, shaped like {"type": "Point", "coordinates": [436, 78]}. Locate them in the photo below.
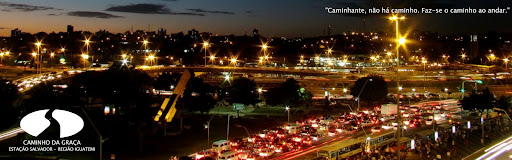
{"type": "Point", "coordinates": [388, 109]}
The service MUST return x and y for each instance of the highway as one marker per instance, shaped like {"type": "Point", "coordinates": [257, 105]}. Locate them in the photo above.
{"type": "Point", "coordinates": [501, 150]}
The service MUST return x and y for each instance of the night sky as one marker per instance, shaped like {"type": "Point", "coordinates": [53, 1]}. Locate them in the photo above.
{"type": "Point", "coordinates": [290, 18]}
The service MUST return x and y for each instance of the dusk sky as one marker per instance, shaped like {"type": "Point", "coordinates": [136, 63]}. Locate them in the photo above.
{"type": "Point", "coordinates": [289, 18]}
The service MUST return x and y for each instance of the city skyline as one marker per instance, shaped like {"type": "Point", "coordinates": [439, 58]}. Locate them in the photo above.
{"type": "Point", "coordinates": [282, 18]}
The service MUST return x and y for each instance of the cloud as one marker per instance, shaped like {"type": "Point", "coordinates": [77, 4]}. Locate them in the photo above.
{"type": "Point", "coordinates": [3, 28]}
{"type": "Point", "coordinates": [24, 7]}
{"type": "Point", "coordinates": [170, 0]}
{"type": "Point", "coordinates": [90, 14]}
{"type": "Point", "coordinates": [146, 8]}
{"type": "Point", "coordinates": [206, 11]}
{"type": "Point", "coordinates": [249, 12]}
{"type": "Point", "coordinates": [55, 14]}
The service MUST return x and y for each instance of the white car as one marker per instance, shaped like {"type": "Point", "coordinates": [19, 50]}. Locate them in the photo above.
{"type": "Point", "coordinates": [387, 126]}
{"type": "Point", "coordinates": [375, 129]}
{"type": "Point", "coordinates": [266, 153]}
{"type": "Point", "coordinates": [428, 122]}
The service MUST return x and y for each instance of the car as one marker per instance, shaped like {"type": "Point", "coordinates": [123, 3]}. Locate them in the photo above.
{"type": "Point", "coordinates": [387, 126]}
{"type": "Point", "coordinates": [375, 130]}
{"type": "Point", "coordinates": [428, 122]}
{"type": "Point", "coordinates": [266, 153]}
{"type": "Point", "coordinates": [202, 154]}
{"type": "Point", "coordinates": [387, 118]}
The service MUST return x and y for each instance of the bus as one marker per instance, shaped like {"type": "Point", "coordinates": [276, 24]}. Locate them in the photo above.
{"type": "Point", "coordinates": [341, 150]}
{"type": "Point", "coordinates": [377, 140]}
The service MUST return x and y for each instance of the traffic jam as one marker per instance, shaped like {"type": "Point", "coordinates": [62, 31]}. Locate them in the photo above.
{"type": "Point", "coordinates": [302, 135]}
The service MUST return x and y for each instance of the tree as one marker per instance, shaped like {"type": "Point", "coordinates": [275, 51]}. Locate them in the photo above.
{"type": "Point", "coordinates": [8, 96]}
{"type": "Point", "coordinates": [198, 96]}
{"type": "Point", "coordinates": [288, 93]}
{"type": "Point", "coordinates": [376, 89]}
{"type": "Point", "coordinates": [479, 101]}
{"type": "Point", "coordinates": [243, 91]}
{"type": "Point", "coordinates": [503, 103]}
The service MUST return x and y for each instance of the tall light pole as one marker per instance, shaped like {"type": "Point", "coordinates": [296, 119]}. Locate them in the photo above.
{"type": "Point", "coordinates": [329, 52]}
{"type": "Point", "coordinates": [205, 46]}
{"type": "Point", "coordinates": [51, 57]}
{"type": "Point", "coordinates": [212, 58]}
{"type": "Point", "coordinates": [145, 43]}
{"type": "Point", "coordinates": [208, 127]}
{"type": "Point", "coordinates": [34, 54]}
{"type": "Point", "coordinates": [358, 99]}
{"type": "Point", "coordinates": [398, 42]}
{"type": "Point", "coordinates": [505, 60]}
{"type": "Point", "coordinates": [288, 110]}
{"type": "Point", "coordinates": [463, 56]}
{"type": "Point", "coordinates": [240, 126]}
{"type": "Point", "coordinates": [97, 132]}
{"type": "Point", "coordinates": [38, 63]}
{"type": "Point", "coordinates": [424, 61]}
{"type": "Point", "coordinates": [85, 57]}
{"type": "Point", "coordinates": [264, 46]}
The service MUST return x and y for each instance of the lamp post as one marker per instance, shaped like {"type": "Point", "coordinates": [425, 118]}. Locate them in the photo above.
{"type": "Point", "coordinates": [358, 99]}
{"type": "Point", "coordinates": [51, 57]}
{"type": "Point", "coordinates": [233, 60]}
{"type": "Point", "coordinates": [97, 132]}
{"type": "Point", "coordinates": [398, 41]}
{"type": "Point", "coordinates": [205, 46]}
{"type": "Point", "coordinates": [424, 61]}
{"type": "Point", "coordinates": [85, 57]}
{"type": "Point", "coordinates": [288, 110]}
{"type": "Point", "coordinates": [240, 126]}
{"type": "Point", "coordinates": [208, 128]}
{"type": "Point", "coordinates": [505, 60]}
{"type": "Point", "coordinates": [260, 90]}
{"type": "Point", "coordinates": [37, 58]}
{"type": "Point", "coordinates": [34, 54]}
{"type": "Point", "coordinates": [264, 46]}
{"type": "Point", "coordinates": [212, 58]}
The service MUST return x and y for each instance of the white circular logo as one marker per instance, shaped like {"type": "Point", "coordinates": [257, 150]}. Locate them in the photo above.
{"type": "Point", "coordinates": [36, 123]}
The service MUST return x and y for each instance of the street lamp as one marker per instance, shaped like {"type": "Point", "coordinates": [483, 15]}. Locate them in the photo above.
{"type": "Point", "coordinates": [264, 47]}
{"type": "Point", "coordinates": [205, 46]}
{"type": "Point", "coordinates": [399, 42]}
{"type": "Point", "coordinates": [212, 58]}
{"type": "Point", "coordinates": [85, 57]}
{"type": "Point", "coordinates": [358, 100]}
{"type": "Point", "coordinates": [505, 60]}
{"type": "Point", "coordinates": [240, 126]}
{"type": "Point", "coordinates": [151, 59]}
{"type": "Point", "coordinates": [37, 58]}
{"type": "Point", "coordinates": [51, 57]}
{"type": "Point", "coordinates": [260, 90]}
{"type": "Point", "coordinates": [424, 61]}
{"type": "Point", "coordinates": [145, 43]}
{"type": "Point", "coordinates": [288, 110]}
{"type": "Point", "coordinates": [233, 60]}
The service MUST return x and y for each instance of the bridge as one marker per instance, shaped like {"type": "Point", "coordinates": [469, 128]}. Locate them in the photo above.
{"type": "Point", "coordinates": [268, 70]}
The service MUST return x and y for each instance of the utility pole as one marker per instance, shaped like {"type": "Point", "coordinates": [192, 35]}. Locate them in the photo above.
{"type": "Point", "coordinates": [227, 134]}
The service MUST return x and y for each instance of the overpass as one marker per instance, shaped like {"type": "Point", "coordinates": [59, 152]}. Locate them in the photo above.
{"type": "Point", "coordinates": [268, 70]}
